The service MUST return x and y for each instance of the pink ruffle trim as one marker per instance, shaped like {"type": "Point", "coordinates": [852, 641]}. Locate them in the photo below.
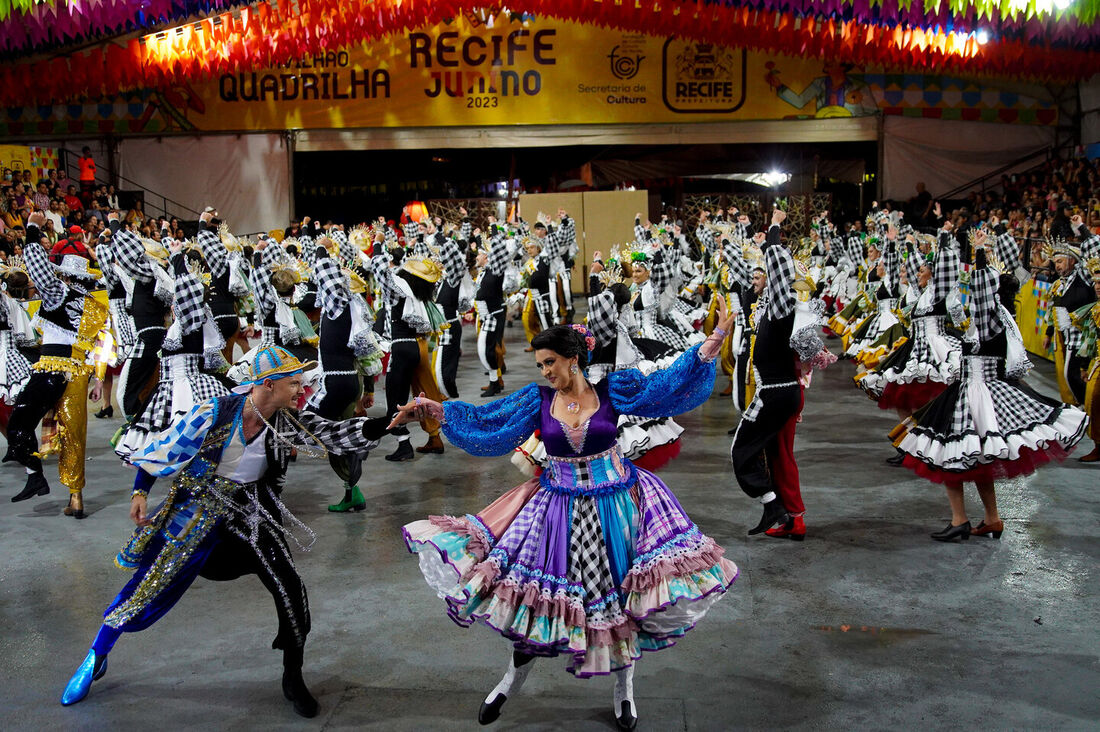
{"type": "Point", "coordinates": [477, 546]}
{"type": "Point", "coordinates": [707, 555]}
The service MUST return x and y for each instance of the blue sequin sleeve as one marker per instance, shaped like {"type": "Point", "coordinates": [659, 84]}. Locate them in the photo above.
{"type": "Point", "coordinates": [684, 385]}
{"type": "Point", "coordinates": [495, 428]}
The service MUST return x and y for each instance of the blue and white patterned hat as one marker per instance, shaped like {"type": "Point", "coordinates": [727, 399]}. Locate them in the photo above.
{"type": "Point", "coordinates": [271, 362]}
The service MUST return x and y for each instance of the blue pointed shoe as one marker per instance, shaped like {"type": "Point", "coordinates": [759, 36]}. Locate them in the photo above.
{"type": "Point", "coordinates": [81, 681]}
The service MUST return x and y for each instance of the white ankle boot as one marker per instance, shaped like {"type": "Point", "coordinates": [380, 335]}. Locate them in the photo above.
{"type": "Point", "coordinates": [626, 713]}
{"type": "Point", "coordinates": [508, 686]}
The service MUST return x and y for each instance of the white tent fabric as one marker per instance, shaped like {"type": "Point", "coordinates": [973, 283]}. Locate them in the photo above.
{"type": "Point", "coordinates": [246, 177]}
{"type": "Point", "coordinates": [945, 154]}
{"type": "Point", "coordinates": [697, 133]}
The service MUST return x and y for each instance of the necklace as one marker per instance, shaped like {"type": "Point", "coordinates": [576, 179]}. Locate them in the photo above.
{"type": "Point", "coordinates": [573, 407]}
{"type": "Point", "coordinates": [315, 452]}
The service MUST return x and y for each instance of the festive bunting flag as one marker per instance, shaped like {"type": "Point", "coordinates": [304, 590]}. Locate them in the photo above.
{"type": "Point", "coordinates": [1030, 38]}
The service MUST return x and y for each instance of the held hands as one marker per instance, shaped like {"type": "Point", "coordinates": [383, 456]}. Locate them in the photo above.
{"type": "Point", "coordinates": [419, 407]}
{"type": "Point", "coordinates": [759, 237]}
{"type": "Point", "coordinates": [366, 401]}
{"type": "Point", "coordinates": [138, 508]}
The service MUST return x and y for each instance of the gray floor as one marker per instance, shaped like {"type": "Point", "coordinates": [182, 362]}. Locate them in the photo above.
{"type": "Point", "coordinates": [866, 625]}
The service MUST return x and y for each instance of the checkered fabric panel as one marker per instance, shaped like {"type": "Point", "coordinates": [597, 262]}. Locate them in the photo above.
{"type": "Point", "coordinates": [602, 317]}
{"type": "Point", "coordinates": [333, 290]}
{"type": "Point", "coordinates": [452, 257]}
{"type": "Point", "coordinates": [51, 290]}
{"type": "Point", "coordinates": [781, 272]}
{"type": "Point", "coordinates": [171, 450]}
{"type": "Point", "coordinates": [213, 251]}
{"type": "Point", "coordinates": [130, 255]}
{"type": "Point", "coordinates": [589, 566]}
{"type": "Point", "coordinates": [983, 302]}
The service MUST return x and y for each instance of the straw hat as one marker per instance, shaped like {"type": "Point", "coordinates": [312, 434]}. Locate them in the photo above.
{"type": "Point", "coordinates": [425, 269]}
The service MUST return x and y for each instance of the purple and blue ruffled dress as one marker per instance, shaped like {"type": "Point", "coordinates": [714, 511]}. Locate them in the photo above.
{"type": "Point", "coordinates": [595, 557]}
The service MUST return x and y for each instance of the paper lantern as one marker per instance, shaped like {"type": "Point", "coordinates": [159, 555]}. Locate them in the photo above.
{"type": "Point", "coordinates": [414, 211]}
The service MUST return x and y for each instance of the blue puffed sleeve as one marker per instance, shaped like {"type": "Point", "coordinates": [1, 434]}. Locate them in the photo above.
{"type": "Point", "coordinates": [684, 385]}
{"type": "Point", "coordinates": [495, 428]}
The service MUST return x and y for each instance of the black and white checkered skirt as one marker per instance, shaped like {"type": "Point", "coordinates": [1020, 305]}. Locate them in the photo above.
{"type": "Point", "coordinates": [15, 370]}
{"type": "Point", "coordinates": [985, 423]}
{"type": "Point", "coordinates": [182, 385]}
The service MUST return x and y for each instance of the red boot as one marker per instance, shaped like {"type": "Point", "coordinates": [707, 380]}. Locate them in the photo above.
{"type": "Point", "coordinates": [793, 529]}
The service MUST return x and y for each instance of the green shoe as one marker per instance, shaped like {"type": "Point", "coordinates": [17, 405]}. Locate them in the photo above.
{"type": "Point", "coordinates": [353, 501]}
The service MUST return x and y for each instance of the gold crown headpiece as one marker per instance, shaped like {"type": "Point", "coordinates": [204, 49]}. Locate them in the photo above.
{"type": "Point", "coordinates": [13, 265]}
{"type": "Point", "coordinates": [286, 269]}
{"type": "Point", "coordinates": [754, 256]}
{"type": "Point", "coordinates": [358, 284]}
{"type": "Point", "coordinates": [1092, 264]}
{"type": "Point", "coordinates": [155, 250]}
{"type": "Point", "coordinates": [361, 237]}
{"type": "Point", "coordinates": [1060, 248]}
{"type": "Point", "coordinates": [991, 258]}
{"type": "Point", "coordinates": [803, 281]}
{"type": "Point", "coordinates": [230, 242]}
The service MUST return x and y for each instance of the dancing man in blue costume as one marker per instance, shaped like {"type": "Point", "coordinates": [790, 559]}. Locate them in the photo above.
{"type": "Point", "coordinates": [223, 517]}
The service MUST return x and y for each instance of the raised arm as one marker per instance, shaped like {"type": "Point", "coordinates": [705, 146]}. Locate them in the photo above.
{"type": "Point", "coordinates": [685, 384]}
{"type": "Point", "coordinates": [332, 290]}
{"type": "Point", "coordinates": [945, 273]}
{"type": "Point", "coordinates": [130, 252]}
{"type": "Point", "coordinates": [780, 271]}
{"type": "Point", "coordinates": [210, 244]}
{"type": "Point", "coordinates": [187, 299]}
{"type": "Point", "coordinates": [50, 288]}
{"type": "Point", "coordinates": [983, 298]}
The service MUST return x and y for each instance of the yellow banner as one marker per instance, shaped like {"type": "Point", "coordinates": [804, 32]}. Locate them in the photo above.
{"type": "Point", "coordinates": [17, 158]}
{"type": "Point", "coordinates": [541, 71]}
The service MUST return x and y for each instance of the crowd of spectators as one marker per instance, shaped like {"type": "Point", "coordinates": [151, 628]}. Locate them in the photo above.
{"type": "Point", "coordinates": [1058, 200]}
{"type": "Point", "coordinates": [74, 213]}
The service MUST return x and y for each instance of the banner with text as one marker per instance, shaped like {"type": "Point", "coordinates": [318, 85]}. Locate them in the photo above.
{"type": "Point", "coordinates": [531, 71]}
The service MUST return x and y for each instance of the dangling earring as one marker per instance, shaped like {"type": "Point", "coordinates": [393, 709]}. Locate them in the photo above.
{"type": "Point", "coordinates": [573, 370]}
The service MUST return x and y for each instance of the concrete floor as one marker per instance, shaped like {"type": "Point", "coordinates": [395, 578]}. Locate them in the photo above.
{"type": "Point", "coordinates": [868, 624]}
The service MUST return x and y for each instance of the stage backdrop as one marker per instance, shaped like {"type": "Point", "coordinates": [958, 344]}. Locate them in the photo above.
{"type": "Point", "coordinates": [245, 176]}
{"type": "Point", "coordinates": [534, 71]}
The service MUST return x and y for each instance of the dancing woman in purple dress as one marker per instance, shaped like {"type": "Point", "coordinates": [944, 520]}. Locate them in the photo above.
{"type": "Point", "coordinates": [595, 558]}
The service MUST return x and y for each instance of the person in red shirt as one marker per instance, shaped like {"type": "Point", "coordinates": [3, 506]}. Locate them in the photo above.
{"type": "Point", "coordinates": [73, 201]}
{"type": "Point", "coordinates": [86, 164]}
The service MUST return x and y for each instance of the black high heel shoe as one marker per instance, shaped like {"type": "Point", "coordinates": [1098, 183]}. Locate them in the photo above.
{"type": "Point", "coordinates": [106, 413]}
{"type": "Point", "coordinates": [950, 533]}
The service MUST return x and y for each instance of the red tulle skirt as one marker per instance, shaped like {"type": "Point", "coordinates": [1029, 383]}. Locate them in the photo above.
{"type": "Point", "coordinates": [909, 397]}
{"type": "Point", "coordinates": [1026, 464]}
